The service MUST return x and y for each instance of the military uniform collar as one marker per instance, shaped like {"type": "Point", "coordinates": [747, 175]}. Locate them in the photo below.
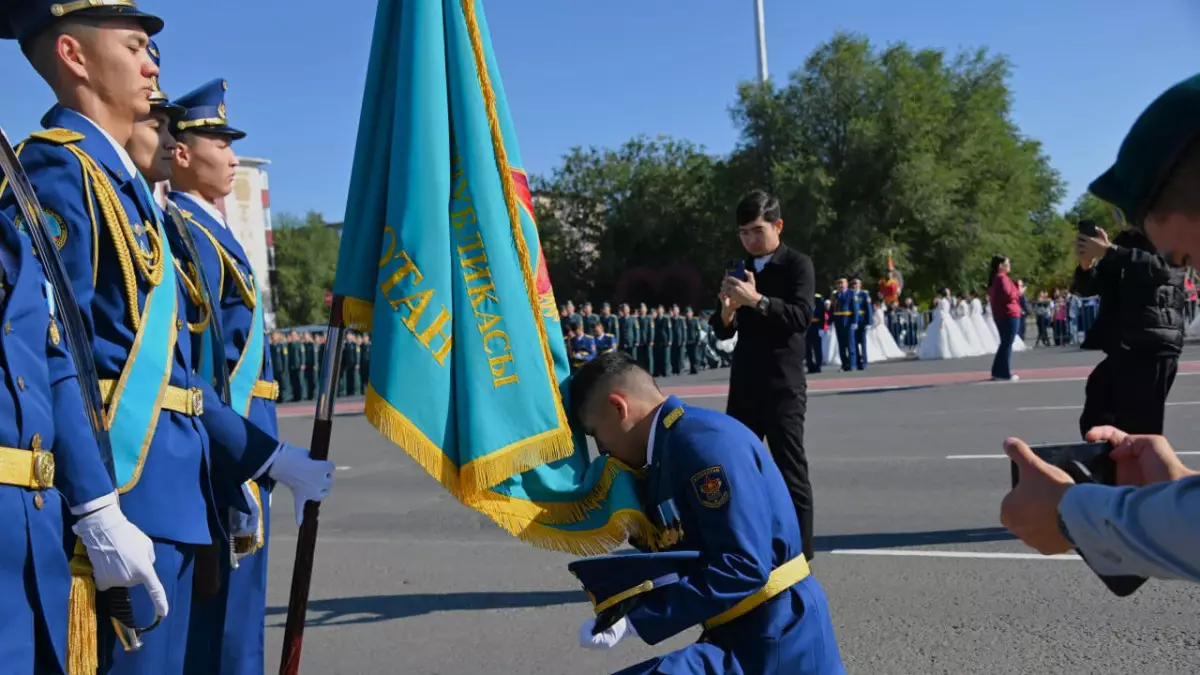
{"type": "Point", "coordinates": [204, 205]}
{"type": "Point", "coordinates": [107, 151]}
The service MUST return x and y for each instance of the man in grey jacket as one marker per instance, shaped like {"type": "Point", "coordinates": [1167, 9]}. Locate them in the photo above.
{"type": "Point", "coordinates": [1150, 526]}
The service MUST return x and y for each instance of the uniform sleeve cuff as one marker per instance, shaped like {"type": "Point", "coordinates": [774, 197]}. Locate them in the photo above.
{"type": "Point", "coordinates": [94, 505]}
{"type": "Point", "coordinates": [270, 460]}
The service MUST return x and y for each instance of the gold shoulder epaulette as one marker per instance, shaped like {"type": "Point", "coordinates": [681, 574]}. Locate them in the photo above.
{"type": "Point", "coordinates": [672, 417]}
{"type": "Point", "coordinates": [58, 136]}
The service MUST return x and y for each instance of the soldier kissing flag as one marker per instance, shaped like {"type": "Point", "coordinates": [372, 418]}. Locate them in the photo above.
{"type": "Point", "coordinates": [440, 260]}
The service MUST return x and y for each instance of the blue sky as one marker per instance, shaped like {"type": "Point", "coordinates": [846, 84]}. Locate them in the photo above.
{"type": "Point", "coordinates": [596, 72]}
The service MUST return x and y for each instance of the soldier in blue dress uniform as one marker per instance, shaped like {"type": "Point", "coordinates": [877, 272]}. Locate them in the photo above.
{"type": "Point", "coordinates": [844, 323]}
{"type": "Point", "coordinates": [604, 341]}
{"type": "Point", "coordinates": [711, 488]}
{"type": "Point", "coordinates": [862, 321]}
{"type": "Point", "coordinates": [581, 346]}
{"type": "Point", "coordinates": [228, 627]}
{"type": "Point", "coordinates": [134, 294]}
{"type": "Point", "coordinates": [50, 472]}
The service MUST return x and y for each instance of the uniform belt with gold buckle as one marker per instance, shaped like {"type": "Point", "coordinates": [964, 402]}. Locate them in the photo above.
{"type": "Point", "coordinates": [32, 469]}
{"type": "Point", "coordinates": [188, 402]}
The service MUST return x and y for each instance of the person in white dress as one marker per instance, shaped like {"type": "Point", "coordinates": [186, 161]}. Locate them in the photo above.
{"type": "Point", "coordinates": [963, 321]}
{"type": "Point", "coordinates": [989, 341]}
{"type": "Point", "coordinates": [942, 339]}
{"type": "Point", "coordinates": [885, 344]}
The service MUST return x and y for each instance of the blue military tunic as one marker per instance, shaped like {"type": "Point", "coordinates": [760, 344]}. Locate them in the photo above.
{"type": "Point", "coordinates": [107, 232]}
{"type": "Point", "coordinates": [40, 407]}
{"type": "Point", "coordinates": [228, 629]}
{"type": "Point", "coordinates": [583, 349]}
{"type": "Point", "coordinates": [713, 487]}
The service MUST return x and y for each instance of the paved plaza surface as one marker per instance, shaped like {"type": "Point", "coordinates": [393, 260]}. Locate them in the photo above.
{"type": "Point", "coordinates": [908, 477]}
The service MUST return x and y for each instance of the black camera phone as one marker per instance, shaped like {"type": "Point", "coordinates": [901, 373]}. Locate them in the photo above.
{"type": "Point", "coordinates": [1090, 460]}
{"type": "Point", "coordinates": [1086, 463]}
{"type": "Point", "coordinates": [1087, 228]}
{"type": "Point", "coordinates": [736, 269]}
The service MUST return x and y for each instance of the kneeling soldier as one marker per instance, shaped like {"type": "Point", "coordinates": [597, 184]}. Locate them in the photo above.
{"type": "Point", "coordinates": [722, 512]}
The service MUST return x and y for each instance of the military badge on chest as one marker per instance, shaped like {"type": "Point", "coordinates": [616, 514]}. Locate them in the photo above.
{"type": "Point", "coordinates": [711, 486]}
{"type": "Point", "coordinates": [670, 526]}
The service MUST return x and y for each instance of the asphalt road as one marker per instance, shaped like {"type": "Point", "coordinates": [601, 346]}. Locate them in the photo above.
{"type": "Point", "coordinates": [410, 582]}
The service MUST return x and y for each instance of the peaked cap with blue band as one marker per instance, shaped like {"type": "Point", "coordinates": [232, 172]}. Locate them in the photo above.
{"type": "Point", "coordinates": [615, 582]}
{"type": "Point", "coordinates": [158, 98]}
{"type": "Point", "coordinates": [1155, 143]}
{"type": "Point", "coordinates": [206, 111]}
{"type": "Point", "coordinates": [26, 19]}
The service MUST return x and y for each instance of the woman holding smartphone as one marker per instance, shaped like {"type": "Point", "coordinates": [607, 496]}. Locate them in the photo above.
{"type": "Point", "coordinates": [1005, 300]}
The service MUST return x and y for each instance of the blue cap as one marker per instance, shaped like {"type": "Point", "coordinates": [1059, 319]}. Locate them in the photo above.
{"type": "Point", "coordinates": [206, 111]}
{"type": "Point", "coordinates": [25, 19]}
{"type": "Point", "coordinates": [158, 98]}
{"type": "Point", "coordinates": [615, 582]}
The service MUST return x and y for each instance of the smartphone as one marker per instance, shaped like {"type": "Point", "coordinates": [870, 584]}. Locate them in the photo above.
{"type": "Point", "coordinates": [1087, 228]}
{"type": "Point", "coordinates": [736, 269]}
{"type": "Point", "coordinates": [1084, 462]}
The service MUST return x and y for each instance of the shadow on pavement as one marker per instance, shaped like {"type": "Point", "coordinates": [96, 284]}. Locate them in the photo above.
{"type": "Point", "coordinates": [377, 608]}
{"type": "Point", "coordinates": [902, 539]}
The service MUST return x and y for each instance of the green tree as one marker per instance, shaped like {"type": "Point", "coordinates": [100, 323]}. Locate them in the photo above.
{"type": "Point", "coordinates": [306, 252]}
{"type": "Point", "coordinates": [649, 203]}
{"type": "Point", "coordinates": [904, 150]}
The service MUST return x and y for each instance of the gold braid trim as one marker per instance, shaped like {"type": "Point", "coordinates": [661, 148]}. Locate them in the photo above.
{"type": "Point", "coordinates": [245, 288]}
{"type": "Point", "coordinates": [130, 257]}
{"type": "Point", "coordinates": [191, 282]}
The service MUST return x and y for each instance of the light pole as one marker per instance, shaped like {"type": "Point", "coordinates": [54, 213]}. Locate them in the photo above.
{"type": "Point", "coordinates": [760, 33]}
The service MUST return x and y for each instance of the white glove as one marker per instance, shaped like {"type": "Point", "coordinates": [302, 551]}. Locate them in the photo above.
{"type": "Point", "coordinates": [308, 479]}
{"type": "Point", "coordinates": [605, 639]}
{"type": "Point", "coordinates": [121, 555]}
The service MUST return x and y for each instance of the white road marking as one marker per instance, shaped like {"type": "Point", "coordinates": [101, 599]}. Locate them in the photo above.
{"type": "Point", "coordinates": [1170, 404]}
{"type": "Point", "coordinates": [343, 468]}
{"type": "Point", "coordinates": [1186, 452]}
{"type": "Point", "coordinates": [953, 554]}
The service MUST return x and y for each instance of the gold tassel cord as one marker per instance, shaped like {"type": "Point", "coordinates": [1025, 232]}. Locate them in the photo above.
{"type": "Point", "coordinates": [191, 283]}
{"type": "Point", "coordinates": [130, 256]}
{"type": "Point", "coordinates": [83, 651]}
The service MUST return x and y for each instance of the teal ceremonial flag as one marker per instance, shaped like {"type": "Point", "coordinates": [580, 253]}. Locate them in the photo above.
{"type": "Point", "coordinates": [440, 260]}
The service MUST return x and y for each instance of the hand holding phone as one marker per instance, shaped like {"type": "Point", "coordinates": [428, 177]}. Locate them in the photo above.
{"type": "Point", "coordinates": [736, 269]}
{"type": "Point", "coordinates": [1085, 463]}
{"type": "Point", "coordinates": [1087, 228]}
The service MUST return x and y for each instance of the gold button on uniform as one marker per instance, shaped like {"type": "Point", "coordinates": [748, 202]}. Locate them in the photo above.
{"type": "Point", "coordinates": [7, 327]}
{"type": "Point", "coordinates": [178, 324]}
{"type": "Point", "coordinates": [38, 501]}
{"type": "Point", "coordinates": [20, 383]}
{"type": "Point", "coordinates": [35, 443]}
